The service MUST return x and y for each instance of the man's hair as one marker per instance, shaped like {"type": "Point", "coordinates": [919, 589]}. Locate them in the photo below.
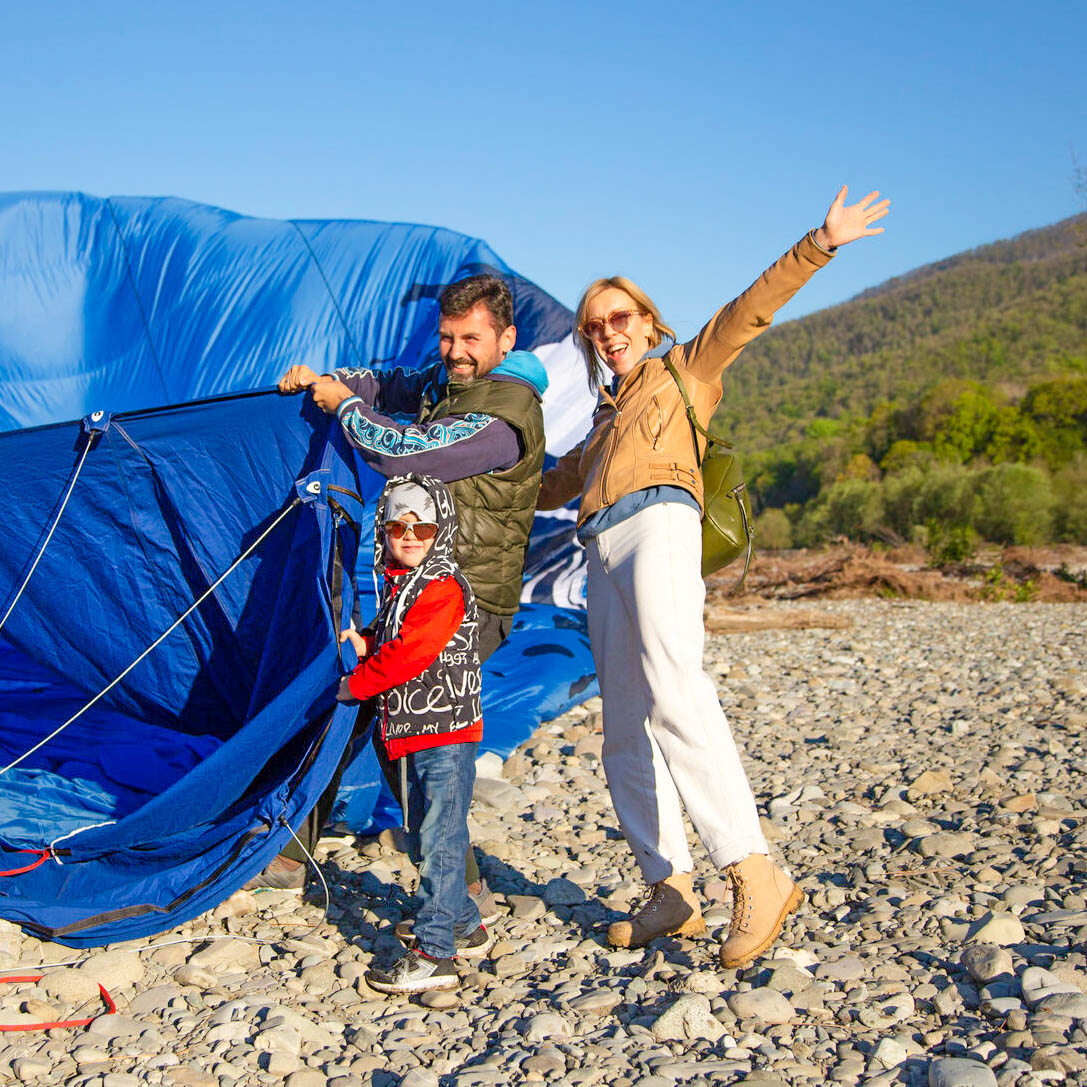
{"type": "Point", "coordinates": [459, 298]}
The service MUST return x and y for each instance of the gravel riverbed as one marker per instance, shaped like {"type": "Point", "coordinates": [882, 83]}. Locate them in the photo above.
{"type": "Point", "coordinates": [921, 773]}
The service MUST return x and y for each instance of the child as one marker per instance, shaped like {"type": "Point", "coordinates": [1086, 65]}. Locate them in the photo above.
{"type": "Point", "coordinates": [424, 666]}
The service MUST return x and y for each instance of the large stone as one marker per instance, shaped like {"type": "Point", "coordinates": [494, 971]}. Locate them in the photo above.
{"type": "Point", "coordinates": [187, 974]}
{"type": "Point", "coordinates": [959, 1072]}
{"type": "Point", "coordinates": [545, 1062]}
{"type": "Point", "coordinates": [930, 782]}
{"type": "Point", "coordinates": [308, 1077]}
{"type": "Point", "coordinates": [1002, 929]}
{"type": "Point", "coordinates": [526, 907]}
{"type": "Point", "coordinates": [545, 1026]}
{"type": "Point", "coordinates": [224, 956]}
{"type": "Point", "coordinates": [278, 1040]}
{"type": "Point", "coordinates": [601, 1002]}
{"type": "Point", "coordinates": [888, 1010]}
{"type": "Point", "coordinates": [563, 892]}
{"type": "Point", "coordinates": [113, 969]}
{"type": "Point", "coordinates": [984, 962]}
{"type": "Point", "coordinates": [947, 844]}
{"type": "Point", "coordinates": [492, 793]}
{"type": "Point", "coordinates": [419, 1077]}
{"type": "Point", "coordinates": [766, 1004]}
{"type": "Point", "coordinates": [69, 986]}
{"type": "Point", "coordinates": [1070, 1005]}
{"type": "Point", "coordinates": [1038, 984]}
{"type": "Point", "coordinates": [890, 1053]}
{"type": "Point", "coordinates": [107, 1027]}
{"type": "Point", "coordinates": [687, 1019]}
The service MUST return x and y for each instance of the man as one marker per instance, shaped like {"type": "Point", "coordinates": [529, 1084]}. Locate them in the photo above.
{"type": "Point", "coordinates": [478, 427]}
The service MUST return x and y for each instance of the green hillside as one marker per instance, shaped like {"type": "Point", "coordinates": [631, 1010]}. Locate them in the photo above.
{"type": "Point", "coordinates": [975, 365]}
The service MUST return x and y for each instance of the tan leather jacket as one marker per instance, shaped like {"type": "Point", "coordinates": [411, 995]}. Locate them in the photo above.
{"type": "Point", "coordinates": [641, 437]}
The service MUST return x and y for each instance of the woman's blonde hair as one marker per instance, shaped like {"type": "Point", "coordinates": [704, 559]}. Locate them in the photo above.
{"type": "Point", "coordinates": [594, 365]}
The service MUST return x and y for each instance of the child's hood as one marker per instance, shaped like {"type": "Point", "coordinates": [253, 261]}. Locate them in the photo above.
{"type": "Point", "coordinates": [446, 518]}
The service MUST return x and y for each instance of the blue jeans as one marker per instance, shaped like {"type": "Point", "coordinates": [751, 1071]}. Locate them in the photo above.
{"type": "Point", "coordinates": [440, 782]}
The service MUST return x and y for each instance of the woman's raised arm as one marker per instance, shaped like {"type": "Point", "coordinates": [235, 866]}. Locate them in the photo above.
{"type": "Point", "coordinates": [735, 325]}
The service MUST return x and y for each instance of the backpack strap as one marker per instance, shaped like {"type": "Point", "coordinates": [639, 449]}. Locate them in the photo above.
{"type": "Point", "coordinates": [696, 427]}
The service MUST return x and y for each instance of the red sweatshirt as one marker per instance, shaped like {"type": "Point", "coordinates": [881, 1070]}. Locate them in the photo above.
{"type": "Point", "coordinates": [425, 631]}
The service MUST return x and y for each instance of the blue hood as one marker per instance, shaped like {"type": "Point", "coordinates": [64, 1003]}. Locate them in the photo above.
{"type": "Point", "coordinates": [523, 366]}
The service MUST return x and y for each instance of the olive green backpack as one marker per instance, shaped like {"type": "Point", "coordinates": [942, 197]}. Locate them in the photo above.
{"type": "Point", "coordinates": [727, 529]}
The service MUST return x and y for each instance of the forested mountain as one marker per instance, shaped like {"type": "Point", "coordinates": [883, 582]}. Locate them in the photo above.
{"type": "Point", "coordinates": [974, 366]}
{"type": "Point", "coordinates": [1000, 314]}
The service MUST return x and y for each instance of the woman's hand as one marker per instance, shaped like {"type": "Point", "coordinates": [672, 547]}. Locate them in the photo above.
{"type": "Point", "coordinates": [845, 224]}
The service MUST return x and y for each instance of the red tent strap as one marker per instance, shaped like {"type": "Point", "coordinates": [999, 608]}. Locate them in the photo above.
{"type": "Point", "coordinates": [42, 854]}
{"type": "Point", "coordinates": [111, 1008]}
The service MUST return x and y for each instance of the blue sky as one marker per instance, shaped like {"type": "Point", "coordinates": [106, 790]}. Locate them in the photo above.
{"type": "Point", "coordinates": [685, 145]}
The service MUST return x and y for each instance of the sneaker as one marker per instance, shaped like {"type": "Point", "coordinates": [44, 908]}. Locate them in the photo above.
{"type": "Point", "coordinates": [481, 895]}
{"type": "Point", "coordinates": [763, 896]}
{"type": "Point", "coordinates": [671, 909]}
{"type": "Point", "coordinates": [416, 972]}
{"type": "Point", "coordinates": [473, 946]}
{"type": "Point", "coordinates": [283, 874]}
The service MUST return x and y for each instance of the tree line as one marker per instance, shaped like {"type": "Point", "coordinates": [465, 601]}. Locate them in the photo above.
{"type": "Point", "coordinates": [945, 406]}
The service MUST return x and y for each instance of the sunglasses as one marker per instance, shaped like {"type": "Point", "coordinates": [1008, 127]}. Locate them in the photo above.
{"type": "Point", "coordinates": [421, 530]}
{"type": "Point", "coordinates": [618, 320]}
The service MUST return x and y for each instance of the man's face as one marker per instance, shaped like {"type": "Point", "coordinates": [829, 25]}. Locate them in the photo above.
{"type": "Point", "coordinates": [469, 345]}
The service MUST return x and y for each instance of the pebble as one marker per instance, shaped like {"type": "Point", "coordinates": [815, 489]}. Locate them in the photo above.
{"type": "Point", "coordinates": [925, 787]}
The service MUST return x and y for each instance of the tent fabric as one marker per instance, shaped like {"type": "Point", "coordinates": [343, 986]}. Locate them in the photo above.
{"type": "Point", "coordinates": [166, 316]}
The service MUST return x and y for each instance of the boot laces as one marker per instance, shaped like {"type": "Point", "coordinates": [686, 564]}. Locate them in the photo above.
{"type": "Point", "coordinates": [653, 898]}
{"type": "Point", "coordinates": [741, 901]}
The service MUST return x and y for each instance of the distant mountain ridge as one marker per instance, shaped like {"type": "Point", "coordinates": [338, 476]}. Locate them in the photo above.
{"type": "Point", "coordinates": [1003, 314]}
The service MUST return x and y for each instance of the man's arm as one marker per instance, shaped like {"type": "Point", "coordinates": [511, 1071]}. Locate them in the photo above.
{"type": "Point", "coordinates": [563, 482]}
{"type": "Point", "coordinates": [395, 391]}
{"type": "Point", "coordinates": [450, 448]}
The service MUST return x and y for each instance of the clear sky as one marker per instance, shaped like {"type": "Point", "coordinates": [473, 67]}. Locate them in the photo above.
{"type": "Point", "coordinates": [683, 144]}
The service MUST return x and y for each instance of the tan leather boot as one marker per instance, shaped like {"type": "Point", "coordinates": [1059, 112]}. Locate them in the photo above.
{"type": "Point", "coordinates": [670, 910]}
{"type": "Point", "coordinates": [762, 897]}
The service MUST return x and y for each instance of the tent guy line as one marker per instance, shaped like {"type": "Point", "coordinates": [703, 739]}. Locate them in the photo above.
{"type": "Point", "coordinates": [56, 521]}
{"type": "Point", "coordinates": [169, 630]}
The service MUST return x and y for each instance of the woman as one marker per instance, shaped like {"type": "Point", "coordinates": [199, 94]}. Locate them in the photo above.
{"type": "Point", "coordinates": [666, 740]}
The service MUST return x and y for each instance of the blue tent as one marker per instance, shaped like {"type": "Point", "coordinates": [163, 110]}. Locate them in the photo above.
{"type": "Point", "coordinates": [168, 777]}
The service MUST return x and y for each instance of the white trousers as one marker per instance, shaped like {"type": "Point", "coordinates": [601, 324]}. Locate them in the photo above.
{"type": "Point", "coordinates": [666, 739]}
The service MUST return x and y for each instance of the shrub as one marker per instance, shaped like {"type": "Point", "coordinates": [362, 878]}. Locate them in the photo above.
{"type": "Point", "coordinates": [1070, 506]}
{"type": "Point", "coordinates": [1014, 504]}
{"type": "Point", "coordinates": [773, 530]}
{"type": "Point", "coordinates": [852, 508]}
{"type": "Point", "coordinates": [947, 544]}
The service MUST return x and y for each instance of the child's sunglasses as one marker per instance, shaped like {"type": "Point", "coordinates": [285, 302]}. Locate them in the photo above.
{"type": "Point", "coordinates": [421, 530]}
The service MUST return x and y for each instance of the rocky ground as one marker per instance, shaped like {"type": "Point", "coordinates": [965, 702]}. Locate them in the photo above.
{"type": "Point", "coordinates": [922, 775]}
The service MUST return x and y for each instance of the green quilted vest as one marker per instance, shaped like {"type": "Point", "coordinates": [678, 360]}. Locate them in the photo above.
{"type": "Point", "coordinates": [495, 510]}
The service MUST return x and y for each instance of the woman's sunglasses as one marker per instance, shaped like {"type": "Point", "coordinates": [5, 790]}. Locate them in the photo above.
{"type": "Point", "coordinates": [618, 320]}
{"type": "Point", "coordinates": [421, 530]}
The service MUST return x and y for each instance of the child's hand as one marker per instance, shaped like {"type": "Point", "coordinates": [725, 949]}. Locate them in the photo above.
{"type": "Point", "coordinates": [358, 642]}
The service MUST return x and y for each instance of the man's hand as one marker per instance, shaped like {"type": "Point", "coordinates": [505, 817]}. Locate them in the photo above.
{"type": "Point", "coordinates": [846, 224]}
{"type": "Point", "coordinates": [328, 395]}
{"type": "Point", "coordinates": [298, 378]}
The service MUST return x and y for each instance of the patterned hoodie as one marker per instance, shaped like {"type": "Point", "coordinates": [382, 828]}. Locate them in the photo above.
{"type": "Point", "coordinates": [425, 661]}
